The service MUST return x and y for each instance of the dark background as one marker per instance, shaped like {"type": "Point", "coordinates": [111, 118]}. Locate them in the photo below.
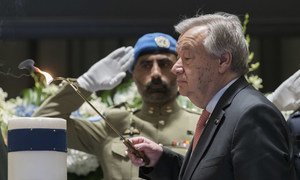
{"type": "Point", "coordinates": [65, 37]}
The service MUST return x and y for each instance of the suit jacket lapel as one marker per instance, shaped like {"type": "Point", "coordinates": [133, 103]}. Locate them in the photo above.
{"type": "Point", "coordinates": [217, 117]}
{"type": "Point", "coordinates": [191, 162]}
{"type": "Point", "coordinates": [185, 162]}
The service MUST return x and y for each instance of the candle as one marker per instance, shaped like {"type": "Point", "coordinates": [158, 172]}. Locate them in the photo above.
{"type": "Point", "coordinates": [37, 148]}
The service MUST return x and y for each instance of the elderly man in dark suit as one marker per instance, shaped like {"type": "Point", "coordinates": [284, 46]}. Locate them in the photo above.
{"type": "Point", "coordinates": [241, 134]}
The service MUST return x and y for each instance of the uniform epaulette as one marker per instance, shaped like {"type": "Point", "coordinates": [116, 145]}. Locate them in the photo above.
{"type": "Point", "coordinates": [116, 113]}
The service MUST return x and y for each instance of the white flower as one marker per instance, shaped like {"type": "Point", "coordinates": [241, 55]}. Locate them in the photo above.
{"type": "Point", "coordinates": [286, 114]}
{"type": "Point", "coordinates": [81, 163]}
{"type": "Point", "coordinates": [6, 108]}
{"type": "Point", "coordinates": [3, 96]}
{"type": "Point", "coordinates": [50, 89]}
{"type": "Point", "coordinates": [255, 81]}
{"type": "Point", "coordinates": [127, 95]}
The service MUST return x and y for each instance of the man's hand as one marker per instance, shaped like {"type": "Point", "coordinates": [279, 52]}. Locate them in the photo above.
{"type": "Point", "coordinates": [152, 150]}
{"type": "Point", "coordinates": [287, 96]}
{"type": "Point", "coordinates": [108, 72]}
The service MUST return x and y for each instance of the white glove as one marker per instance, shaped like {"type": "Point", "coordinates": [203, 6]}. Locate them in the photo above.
{"type": "Point", "coordinates": [287, 96]}
{"type": "Point", "coordinates": [108, 72]}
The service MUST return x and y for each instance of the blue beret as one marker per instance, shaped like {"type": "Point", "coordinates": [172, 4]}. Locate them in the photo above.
{"type": "Point", "coordinates": [153, 42]}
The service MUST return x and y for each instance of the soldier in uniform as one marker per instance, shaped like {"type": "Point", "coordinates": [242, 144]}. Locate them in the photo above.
{"type": "Point", "coordinates": [160, 117]}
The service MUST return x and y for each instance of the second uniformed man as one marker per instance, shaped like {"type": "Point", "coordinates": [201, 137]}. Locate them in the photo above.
{"type": "Point", "coordinates": [160, 117]}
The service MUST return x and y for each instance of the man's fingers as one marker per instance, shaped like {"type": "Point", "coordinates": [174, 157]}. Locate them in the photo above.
{"type": "Point", "coordinates": [137, 140]}
{"type": "Point", "coordinates": [127, 60]}
{"type": "Point", "coordinates": [135, 160]}
{"type": "Point", "coordinates": [117, 79]}
{"type": "Point", "coordinates": [142, 146]}
{"type": "Point", "coordinates": [118, 52]}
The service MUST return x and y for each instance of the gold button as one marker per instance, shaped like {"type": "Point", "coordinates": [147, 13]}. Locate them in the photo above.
{"type": "Point", "coordinates": [161, 122]}
{"type": "Point", "coordinates": [169, 109]}
{"type": "Point", "coordinates": [151, 110]}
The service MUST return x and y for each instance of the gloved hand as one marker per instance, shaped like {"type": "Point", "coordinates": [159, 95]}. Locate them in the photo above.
{"type": "Point", "coordinates": [108, 72]}
{"type": "Point", "coordinates": [287, 96]}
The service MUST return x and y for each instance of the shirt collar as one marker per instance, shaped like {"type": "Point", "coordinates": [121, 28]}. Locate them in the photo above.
{"type": "Point", "coordinates": [213, 102]}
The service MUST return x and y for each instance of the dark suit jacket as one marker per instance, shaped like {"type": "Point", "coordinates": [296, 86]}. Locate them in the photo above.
{"type": "Point", "coordinates": [246, 138]}
{"type": "Point", "coordinates": [3, 159]}
{"type": "Point", "coordinates": [294, 125]}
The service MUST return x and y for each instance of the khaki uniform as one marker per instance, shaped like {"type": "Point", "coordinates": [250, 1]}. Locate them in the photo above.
{"type": "Point", "coordinates": [170, 126]}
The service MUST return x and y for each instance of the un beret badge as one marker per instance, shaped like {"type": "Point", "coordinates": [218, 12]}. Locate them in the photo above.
{"type": "Point", "coordinates": [162, 42]}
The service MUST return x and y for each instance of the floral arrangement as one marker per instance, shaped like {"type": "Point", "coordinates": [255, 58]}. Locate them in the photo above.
{"type": "Point", "coordinates": [253, 79]}
{"type": "Point", "coordinates": [78, 162]}
{"type": "Point", "coordinates": [22, 106]}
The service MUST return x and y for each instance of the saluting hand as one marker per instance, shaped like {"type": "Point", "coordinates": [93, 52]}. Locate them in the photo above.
{"type": "Point", "coordinates": [287, 96]}
{"type": "Point", "coordinates": [108, 72]}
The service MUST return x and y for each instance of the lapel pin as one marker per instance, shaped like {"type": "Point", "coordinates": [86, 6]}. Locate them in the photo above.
{"type": "Point", "coordinates": [217, 121]}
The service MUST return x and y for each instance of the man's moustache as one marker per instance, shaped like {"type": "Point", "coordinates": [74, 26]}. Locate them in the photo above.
{"type": "Point", "coordinates": [156, 87]}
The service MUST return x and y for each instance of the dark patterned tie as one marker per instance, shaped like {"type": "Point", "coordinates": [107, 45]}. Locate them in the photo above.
{"type": "Point", "coordinates": [200, 126]}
